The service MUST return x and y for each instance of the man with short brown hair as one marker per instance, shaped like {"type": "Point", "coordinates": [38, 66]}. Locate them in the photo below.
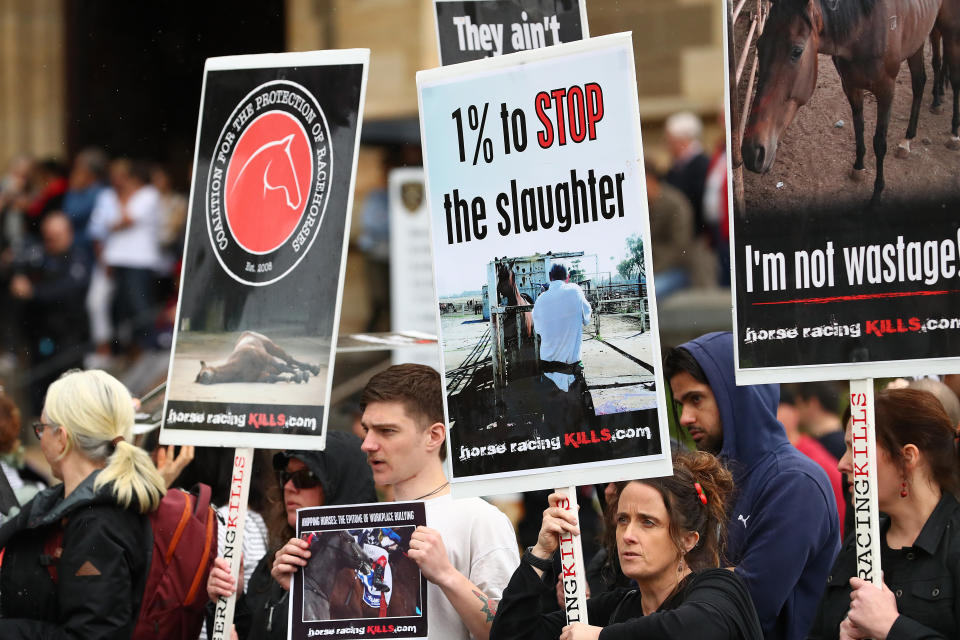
{"type": "Point", "coordinates": [469, 551]}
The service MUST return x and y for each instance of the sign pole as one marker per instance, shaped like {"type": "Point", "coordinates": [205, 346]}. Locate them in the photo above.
{"type": "Point", "coordinates": [233, 539]}
{"type": "Point", "coordinates": [867, 512]}
{"type": "Point", "coordinates": [572, 571]}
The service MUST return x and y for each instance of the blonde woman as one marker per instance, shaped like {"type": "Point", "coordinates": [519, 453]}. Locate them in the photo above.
{"type": "Point", "coordinates": [75, 558]}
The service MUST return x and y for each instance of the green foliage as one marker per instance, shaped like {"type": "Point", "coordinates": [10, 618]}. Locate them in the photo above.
{"type": "Point", "coordinates": [632, 265]}
{"type": "Point", "coordinates": [576, 273]}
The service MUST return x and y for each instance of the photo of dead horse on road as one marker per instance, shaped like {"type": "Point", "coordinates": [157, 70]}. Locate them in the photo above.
{"type": "Point", "coordinates": [256, 358]}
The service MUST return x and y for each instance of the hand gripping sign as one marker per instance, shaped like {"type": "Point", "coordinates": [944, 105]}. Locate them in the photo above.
{"type": "Point", "coordinates": [264, 261]}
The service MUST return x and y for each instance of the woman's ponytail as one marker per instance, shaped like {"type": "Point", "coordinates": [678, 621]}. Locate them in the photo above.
{"type": "Point", "coordinates": [97, 412]}
{"type": "Point", "coordinates": [133, 474]}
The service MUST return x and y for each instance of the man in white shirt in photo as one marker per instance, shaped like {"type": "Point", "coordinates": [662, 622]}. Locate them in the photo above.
{"type": "Point", "coordinates": [559, 316]}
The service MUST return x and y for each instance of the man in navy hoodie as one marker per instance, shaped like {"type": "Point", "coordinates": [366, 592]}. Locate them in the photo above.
{"type": "Point", "coordinates": [783, 533]}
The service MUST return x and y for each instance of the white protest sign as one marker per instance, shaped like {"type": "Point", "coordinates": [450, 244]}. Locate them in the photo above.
{"type": "Point", "coordinates": [535, 165]}
{"type": "Point", "coordinates": [412, 296]}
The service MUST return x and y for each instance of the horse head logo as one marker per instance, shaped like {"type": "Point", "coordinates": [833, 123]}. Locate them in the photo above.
{"type": "Point", "coordinates": [274, 162]}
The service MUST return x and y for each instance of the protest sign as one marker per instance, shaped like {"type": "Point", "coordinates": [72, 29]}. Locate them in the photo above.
{"type": "Point", "coordinates": [535, 165]}
{"type": "Point", "coordinates": [265, 252]}
{"type": "Point", "coordinates": [476, 29]}
{"type": "Point", "coordinates": [834, 279]}
{"type": "Point", "coordinates": [356, 551]}
{"type": "Point", "coordinates": [411, 270]}
{"type": "Point", "coordinates": [836, 276]}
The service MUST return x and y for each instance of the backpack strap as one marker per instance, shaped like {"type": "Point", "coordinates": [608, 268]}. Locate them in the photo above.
{"type": "Point", "coordinates": [178, 532]}
{"type": "Point", "coordinates": [53, 550]}
{"type": "Point", "coordinates": [203, 493]}
{"type": "Point", "coordinates": [208, 542]}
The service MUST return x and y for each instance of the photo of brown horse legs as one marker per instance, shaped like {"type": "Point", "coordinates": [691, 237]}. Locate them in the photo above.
{"type": "Point", "coordinates": [948, 23]}
{"type": "Point", "coordinates": [939, 77]}
{"type": "Point", "coordinates": [918, 78]}
{"type": "Point", "coordinates": [882, 86]}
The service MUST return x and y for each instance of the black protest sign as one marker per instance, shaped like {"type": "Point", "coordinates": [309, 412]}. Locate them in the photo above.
{"type": "Point", "coordinates": [265, 251]}
{"type": "Point", "coordinates": [476, 29]}
{"type": "Point", "coordinates": [359, 581]}
{"type": "Point", "coordinates": [847, 296]}
{"type": "Point", "coordinates": [845, 258]}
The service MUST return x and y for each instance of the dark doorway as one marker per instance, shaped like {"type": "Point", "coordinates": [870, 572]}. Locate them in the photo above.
{"type": "Point", "coordinates": [134, 70]}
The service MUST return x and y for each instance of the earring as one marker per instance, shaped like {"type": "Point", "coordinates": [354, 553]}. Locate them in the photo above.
{"type": "Point", "coordinates": [680, 567]}
{"type": "Point", "coordinates": [903, 489]}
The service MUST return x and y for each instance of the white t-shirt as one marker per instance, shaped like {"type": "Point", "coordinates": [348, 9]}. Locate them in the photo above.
{"type": "Point", "coordinates": [481, 545]}
{"type": "Point", "coordinates": [137, 245]}
{"type": "Point", "coordinates": [559, 316]}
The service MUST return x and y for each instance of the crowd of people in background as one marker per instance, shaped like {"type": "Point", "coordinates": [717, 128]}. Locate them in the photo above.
{"type": "Point", "coordinates": [99, 241]}
{"type": "Point", "coordinates": [88, 258]}
{"type": "Point", "coordinates": [762, 485]}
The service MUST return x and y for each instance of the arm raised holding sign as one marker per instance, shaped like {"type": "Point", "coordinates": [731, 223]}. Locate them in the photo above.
{"type": "Point", "coordinates": [668, 533]}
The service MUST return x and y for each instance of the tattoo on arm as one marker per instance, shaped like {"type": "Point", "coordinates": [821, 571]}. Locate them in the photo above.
{"type": "Point", "coordinates": [489, 606]}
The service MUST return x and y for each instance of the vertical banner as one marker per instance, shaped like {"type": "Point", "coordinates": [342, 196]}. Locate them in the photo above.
{"type": "Point", "coordinates": [359, 582]}
{"type": "Point", "coordinates": [233, 537]}
{"type": "Point", "coordinates": [573, 575]}
{"type": "Point", "coordinates": [476, 29]}
{"type": "Point", "coordinates": [844, 266]}
{"type": "Point", "coordinates": [266, 250]}
{"type": "Point", "coordinates": [411, 270]}
{"type": "Point", "coordinates": [863, 442]}
{"type": "Point", "coordinates": [536, 189]}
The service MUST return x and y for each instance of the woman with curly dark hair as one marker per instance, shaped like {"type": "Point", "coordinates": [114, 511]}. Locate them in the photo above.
{"type": "Point", "coordinates": [669, 537]}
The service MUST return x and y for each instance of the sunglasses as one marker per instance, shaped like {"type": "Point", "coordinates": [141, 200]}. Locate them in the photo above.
{"type": "Point", "coordinates": [302, 479]}
{"type": "Point", "coordinates": [38, 426]}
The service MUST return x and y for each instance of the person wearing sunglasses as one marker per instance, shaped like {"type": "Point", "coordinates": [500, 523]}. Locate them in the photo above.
{"type": "Point", "coordinates": [337, 475]}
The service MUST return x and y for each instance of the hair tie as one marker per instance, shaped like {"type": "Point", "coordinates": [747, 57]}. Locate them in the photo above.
{"type": "Point", "coordinates": [703, 497]}
{"type": "Point", "coordinates": [116, 440]}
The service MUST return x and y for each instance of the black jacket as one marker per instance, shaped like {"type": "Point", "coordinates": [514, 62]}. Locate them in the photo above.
{"type": "Point", "coordinates": [101, 572]}
{"type": "Point", "coordinates": [709, 605]}
{"type": "Point", "coordinates": [261, 612]}
{"type": "Point", "coordinates": [924, 577]}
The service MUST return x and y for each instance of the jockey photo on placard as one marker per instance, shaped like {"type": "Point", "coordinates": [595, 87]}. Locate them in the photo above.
{"type": "Point", "coordinates": [360, 573]}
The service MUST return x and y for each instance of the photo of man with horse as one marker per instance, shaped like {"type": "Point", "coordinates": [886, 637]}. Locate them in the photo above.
{"type": "Point", "coordinates": [562, 364]}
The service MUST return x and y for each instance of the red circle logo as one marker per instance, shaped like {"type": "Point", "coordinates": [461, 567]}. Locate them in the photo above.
{"type": "Point", "coordinates": [268, 182]}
